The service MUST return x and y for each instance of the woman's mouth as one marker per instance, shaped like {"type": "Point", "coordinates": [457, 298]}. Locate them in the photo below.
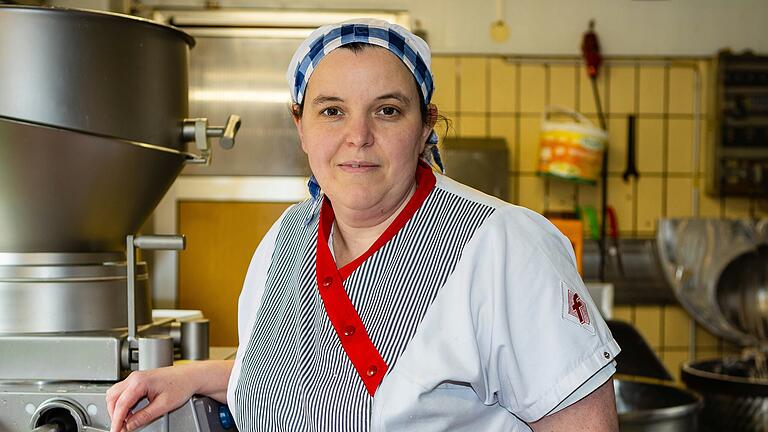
{"type": "Point", "coordinates": [357, 165]}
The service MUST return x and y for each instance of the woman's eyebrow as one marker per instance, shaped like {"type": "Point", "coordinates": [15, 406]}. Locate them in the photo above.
{"type": "Point", "coordinates": [325, 99]}
{"type": "Point", "coordinates": [397, 96]}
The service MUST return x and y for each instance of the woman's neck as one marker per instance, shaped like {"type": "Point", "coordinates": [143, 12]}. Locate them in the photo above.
{"type": "Point", "coordinates": [355, 232]}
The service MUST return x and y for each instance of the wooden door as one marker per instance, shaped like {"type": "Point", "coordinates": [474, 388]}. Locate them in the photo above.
{"type": "Point", "coordinates": [221, 238]}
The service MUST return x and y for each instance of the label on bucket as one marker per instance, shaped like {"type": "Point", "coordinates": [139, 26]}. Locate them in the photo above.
{"type": "Point", "coordinates": [570, 155]}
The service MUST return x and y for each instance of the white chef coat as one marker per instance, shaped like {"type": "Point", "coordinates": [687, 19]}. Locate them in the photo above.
{"type": "Point", "coordinates": [494, 340]}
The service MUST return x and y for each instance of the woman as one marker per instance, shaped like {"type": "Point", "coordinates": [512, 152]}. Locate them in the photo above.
{"type": "Point", "coordinates": [396, 298]}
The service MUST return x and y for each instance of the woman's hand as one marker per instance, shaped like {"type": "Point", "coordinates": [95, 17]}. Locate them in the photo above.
{"type": "Point", "coordinates": [166, 389]}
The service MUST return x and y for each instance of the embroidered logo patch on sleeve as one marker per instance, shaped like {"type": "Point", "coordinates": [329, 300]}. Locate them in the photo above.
{"type": "Point", "coordinates": [575, 308]}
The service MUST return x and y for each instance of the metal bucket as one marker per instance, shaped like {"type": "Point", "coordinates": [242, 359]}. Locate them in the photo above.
{"type": "Point", "coordinates": [655, 407]}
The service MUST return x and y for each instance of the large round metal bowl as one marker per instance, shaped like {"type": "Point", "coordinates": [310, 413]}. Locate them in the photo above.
{"type": "Point", "coordinates": [94, 72]}
{"type": "Point", "coordinates": [646, 406]}
{"type": "Point", "coordinates": [91, 112]}
{"type": "Point", "coordinates": [735, 393]}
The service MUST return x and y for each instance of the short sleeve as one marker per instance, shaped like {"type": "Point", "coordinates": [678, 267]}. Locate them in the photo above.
{"type": "Point", "coordinates": [543, 334]}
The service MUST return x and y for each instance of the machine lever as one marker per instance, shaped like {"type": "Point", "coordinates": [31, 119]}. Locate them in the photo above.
{"type": "Point", "coordinates": [227, 133]}
{"type": "Point", "coordinates": [197, 130]}
{"type": "Point", "coordinates": [160, 242]}
{"type": "Point", "coordinates": [150, 242]}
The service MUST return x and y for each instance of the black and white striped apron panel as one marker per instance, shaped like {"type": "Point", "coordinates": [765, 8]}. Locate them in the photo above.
{"type": "Point", "coordinates": [295, 374]}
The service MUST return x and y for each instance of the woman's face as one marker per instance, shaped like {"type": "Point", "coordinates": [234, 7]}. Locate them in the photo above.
{"type": "Point", "coordinates": [362, 129]}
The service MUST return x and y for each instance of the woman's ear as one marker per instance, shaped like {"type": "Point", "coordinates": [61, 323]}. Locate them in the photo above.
{"type": "Point", "coordinates": [432, 113]}
{"type": "Point", "coordinates": [431, 121]}
{"type": "Point", "coordinates": [296, 117]}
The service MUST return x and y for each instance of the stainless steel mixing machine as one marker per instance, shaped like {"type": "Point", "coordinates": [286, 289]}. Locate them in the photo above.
{"type": "Point", "coordinates": [93, 132]}
{"type": "Point", "coordinates": [719, 271]}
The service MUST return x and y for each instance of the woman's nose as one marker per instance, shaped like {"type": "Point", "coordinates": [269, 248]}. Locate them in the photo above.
{"type": "Point", "coordinates": [358, 131]}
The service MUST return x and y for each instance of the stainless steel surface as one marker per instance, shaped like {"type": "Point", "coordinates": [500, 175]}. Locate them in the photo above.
{"type": "Point", "coordinates": [39, 299]}
{"type": "Point", "coordinates": [61, 357]}
{"type": "Point", "coordinates": [229, 74]}
{"type": "Point", "coordinates": [63, 191]}
{"type": "Point", "coordinates": [62, 414]}
{"type": "Point", "coordinates": [21, 400]}
{"type": "Point", "coordinates": [47, 428]}
{"type": "Point", "coordinates": [655, 407]}
{"type": "Point", "coordinates": [155, 352]}
{"type": "Point", "coordinates": [633, 267]}
{"type": "Point", "coordinates": [42, 258]}
{"type": "Point", "coordinates": [478, 162]}
{"type": "Point", "coordinates": [195, 339]}
{"type": "Point", "coordinates": [718, 270]}
{"type": "Point", "coordinates": [84, 356]}
{"type": "Point", "coordinates": [735, 399]}
{"type": "Point", "coordinates": [107, 74]}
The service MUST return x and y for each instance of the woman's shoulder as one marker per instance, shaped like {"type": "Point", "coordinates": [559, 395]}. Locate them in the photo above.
{"type": "Point", "coordinates": [511, 226]}
{"type": "Point", "coordinates": [504, 213]}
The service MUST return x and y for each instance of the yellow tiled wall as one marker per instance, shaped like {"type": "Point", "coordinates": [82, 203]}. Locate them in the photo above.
{"type": "Point", "coordinates": [490, 96]}
{"type": "Point", "coordinates": [487, 96]}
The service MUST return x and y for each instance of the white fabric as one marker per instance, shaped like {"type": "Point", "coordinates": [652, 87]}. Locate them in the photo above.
{"type": "Point", "coordinates": [496, 348]}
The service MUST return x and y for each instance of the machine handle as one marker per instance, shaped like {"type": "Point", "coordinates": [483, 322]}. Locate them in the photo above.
{"type": "Point", "coordinates": [197, 130]}
{"type": "Point", "coordinates": [227, 133]}
{"type": "Point", "coordinates": [160, 242]}
{"type": "Point", "coordinates": [152, 242]}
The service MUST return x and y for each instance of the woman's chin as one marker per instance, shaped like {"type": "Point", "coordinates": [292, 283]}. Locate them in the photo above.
{"type": "Point", "coordinates": [356, 200]}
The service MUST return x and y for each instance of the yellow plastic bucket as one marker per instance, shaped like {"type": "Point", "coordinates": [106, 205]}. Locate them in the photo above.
{"type": "Point", "coordinates": [571, 150]}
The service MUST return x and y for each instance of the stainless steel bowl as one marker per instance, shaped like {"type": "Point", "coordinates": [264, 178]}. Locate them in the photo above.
{"type": "Point", "coordinates": [735, 395]}
{"type": "Point", "coordinates": [655, 407]}
{"type": "Point", "coordinates": [94, 72]}
{"type": "Point", "coordinates": [718, 269]}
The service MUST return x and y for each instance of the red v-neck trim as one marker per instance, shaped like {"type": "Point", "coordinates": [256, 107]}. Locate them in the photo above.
{"type": "Point", "coordinates": [346, 322]}
{"type": "Point", "coordinates": [425, 182]}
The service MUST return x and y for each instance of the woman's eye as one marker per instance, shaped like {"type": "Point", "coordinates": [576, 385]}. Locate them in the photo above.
{"type": "Point", "coordinates": [330, 112]}
{"type": "Point", "coordinates": [389, 111]}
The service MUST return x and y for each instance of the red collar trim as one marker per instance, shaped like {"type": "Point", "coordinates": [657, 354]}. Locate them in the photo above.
{"type": "Point", "coordinates": [425, 182]}
{"type": "Point", "coordinates": [346, 322]}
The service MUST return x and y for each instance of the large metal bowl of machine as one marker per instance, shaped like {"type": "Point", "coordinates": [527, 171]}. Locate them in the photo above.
{"type": "Point", "coordinates": [94, 129]}
{"type": "Point", "coordinates": [718, 270]}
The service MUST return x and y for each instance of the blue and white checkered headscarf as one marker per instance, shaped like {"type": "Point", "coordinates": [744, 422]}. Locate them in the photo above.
{"type": "Point", "coordinates": [409, 48]}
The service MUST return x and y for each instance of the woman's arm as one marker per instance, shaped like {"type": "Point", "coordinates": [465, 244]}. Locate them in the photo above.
{"type": "Point", "coordinates": [594, 413]}
{"type": "Point", "coordinates": [166, 389]}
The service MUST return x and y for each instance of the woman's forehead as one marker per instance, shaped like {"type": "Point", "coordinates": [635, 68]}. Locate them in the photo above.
{"type": "Point", "coordinates": [372, 68]}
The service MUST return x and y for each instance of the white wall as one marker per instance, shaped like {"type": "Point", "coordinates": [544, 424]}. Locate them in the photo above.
{"type": "Point", "coordinates": [625, 27]}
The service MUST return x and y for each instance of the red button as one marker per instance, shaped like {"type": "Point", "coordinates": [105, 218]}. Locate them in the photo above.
{"type": "Point", "coordinates": [349, 330]}
{"type": "Point", "coordinates": [327, 281]}
{"type": "Point", "coordinates": [371, 371]}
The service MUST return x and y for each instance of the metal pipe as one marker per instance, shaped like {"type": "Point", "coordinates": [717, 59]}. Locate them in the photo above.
{"type": "Point", "coordinates": [194, 339]}
{"type": "Point", "coordinates": [130, 253]}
